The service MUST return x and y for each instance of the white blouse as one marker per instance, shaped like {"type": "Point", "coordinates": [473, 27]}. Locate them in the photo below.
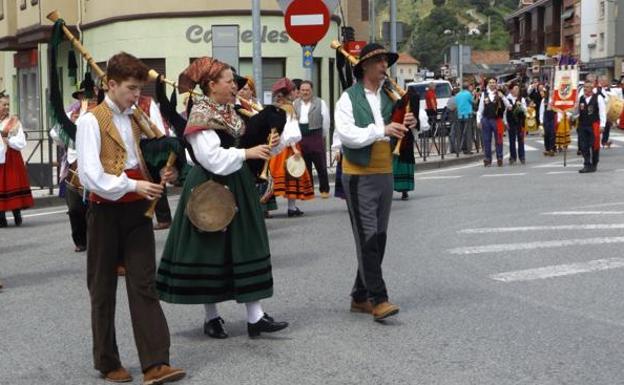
{"type": "Point", "coordinates": [15, 141]}
{"type": "Point", "coordinates": [224, 161]}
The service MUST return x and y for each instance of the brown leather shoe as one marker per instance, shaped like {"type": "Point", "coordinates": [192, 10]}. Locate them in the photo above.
{"type": "Point", "coordinates": [1, 285]}
{"type": "Point", "coordinates": [162, 225]}
{"type": "Point", "coordinates": [121, 270]}
{"type": "Point", "coordinates": [499, 162]}
{"type": "Point", "coordinates": [118, 375]}
{"type": "Point", "coordinates": [361, 307]}
{"type": "Point", "coordinates": [161, 374]}
{"type": "Point", "coordinates": [324, 195]}
{"type": "Point", "coordinates": [384, 310]}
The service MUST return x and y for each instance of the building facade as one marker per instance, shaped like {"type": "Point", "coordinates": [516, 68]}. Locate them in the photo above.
{"type": "Point", "coordinates": [166, 35]}
{"type": "Point", "coordinates": [601, 50]}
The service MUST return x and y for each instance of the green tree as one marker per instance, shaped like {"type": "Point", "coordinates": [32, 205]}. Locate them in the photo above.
{"type": "Point", "coordinates": [429, 40]}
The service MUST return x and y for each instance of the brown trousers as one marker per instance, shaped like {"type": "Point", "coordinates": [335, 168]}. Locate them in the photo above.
{"type": "Point", "coordinates": [120, 231]}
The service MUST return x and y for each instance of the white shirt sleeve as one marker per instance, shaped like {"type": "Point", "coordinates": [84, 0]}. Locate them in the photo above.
{"type": "Point", "coordinates": [602, 109]}
{"type": "Point", "coordinates": [506, 102]}
{"type": "Point", "coordinates": [326, 118]}
{"type": "Point", "coordinates": [2, 151]}
{"type": "Point", "coordinates": [214, 158]}
{"type": "Point", "coordinates": [336, 144]}
{"type": "Point", "coordinates": [291, 133]}
{"type": "Point", "coordinates": [156, 117]}
{"type": "Point", "coordinates": [481, 106]}
{"type": "Point", "coordinates": [423, 119]}
{"type": "Point", "coordinates": [542, 108]}
{"type": "Point", "coordinates": [18, 141]}
{"type": "Point", "coordinates": [350, 135]}
{"type": "Point", "coordinates": [90, 169]}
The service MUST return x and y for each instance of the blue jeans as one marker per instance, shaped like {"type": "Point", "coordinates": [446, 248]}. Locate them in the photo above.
{"type": "Point", "coordinates": [489, 129]}
{"type": "Point", "coordinates": [516, 134]}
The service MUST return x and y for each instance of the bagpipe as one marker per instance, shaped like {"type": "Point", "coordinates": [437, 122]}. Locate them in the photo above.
{"type": "Point", "coordinates": [157, 149]}
{"type": "Point", "coordinates": [404, 101]}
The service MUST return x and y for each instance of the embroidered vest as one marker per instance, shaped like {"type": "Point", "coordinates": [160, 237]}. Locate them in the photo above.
{"type": "Point", "coordinates": [113, 153]}
{"type": "Point", "coordinates": [363, 116]}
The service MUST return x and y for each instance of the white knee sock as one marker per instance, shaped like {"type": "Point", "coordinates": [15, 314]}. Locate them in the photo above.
{"type": "Point", "coordinates": [211, 311]}
{"type": "Point", "coordinates": [254, 312]}
{"type": "Point", "coordinates": [291, 204]}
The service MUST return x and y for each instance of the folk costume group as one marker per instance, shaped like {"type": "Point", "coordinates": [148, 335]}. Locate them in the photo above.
{"type": "Point", "coordinates": [109, 188]}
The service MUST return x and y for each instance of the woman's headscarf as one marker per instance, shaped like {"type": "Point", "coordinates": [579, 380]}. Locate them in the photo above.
{"type": "Point", "coordinates": [201, 72]}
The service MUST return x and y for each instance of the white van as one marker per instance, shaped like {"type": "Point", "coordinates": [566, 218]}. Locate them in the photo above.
{"type": "Point", "coordinates": [443, 91]}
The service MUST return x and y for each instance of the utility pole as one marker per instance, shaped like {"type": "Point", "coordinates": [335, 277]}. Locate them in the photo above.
{"type": "Point", "coordinates": [371, 21]}
{"type": "Point", "coordinates": [257, 48]}
{"type": "Point", "coordinates": [393, 33]}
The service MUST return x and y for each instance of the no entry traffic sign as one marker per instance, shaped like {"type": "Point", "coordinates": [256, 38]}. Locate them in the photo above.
{"type": "Point", "coordinates": [307, 21]}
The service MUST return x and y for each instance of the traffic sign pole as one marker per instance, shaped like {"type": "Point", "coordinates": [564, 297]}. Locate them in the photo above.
{"type": "Point", "coordinates": [307, 22]}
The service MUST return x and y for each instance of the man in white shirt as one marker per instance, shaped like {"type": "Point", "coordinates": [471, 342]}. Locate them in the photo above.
{"type": "Point", "coordinates": [314, 124]}
{"type": "Point", "coordinates": [514, 120]}
{"type": "Point", "coordinates": [364, 128]}
{"type": "Point", "coordinates": [592, 116]}
{"type": "Point", "coordinates": [109, 167]}
{"type": "Point", "coordinates": [492, 107]}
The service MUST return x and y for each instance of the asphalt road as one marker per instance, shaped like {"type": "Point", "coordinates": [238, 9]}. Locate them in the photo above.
{"type": "Point", "coordinates": [507, 275]}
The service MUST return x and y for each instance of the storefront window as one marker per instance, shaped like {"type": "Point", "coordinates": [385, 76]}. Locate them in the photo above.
{"type": "Point", "coordinates": [272, 70]}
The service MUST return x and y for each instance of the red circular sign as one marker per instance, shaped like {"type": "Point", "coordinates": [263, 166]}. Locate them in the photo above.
{"type": "Point", "coordinates": [307, 21]}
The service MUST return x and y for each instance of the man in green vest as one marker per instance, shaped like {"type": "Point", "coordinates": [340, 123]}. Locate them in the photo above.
{"type": "Point", "coordinates": [364, 127]}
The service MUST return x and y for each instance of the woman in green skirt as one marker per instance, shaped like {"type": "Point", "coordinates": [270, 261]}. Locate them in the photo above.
{"type": "Point", "coordinates": [403, 166]}
{"type": "Point", "coordinates": [234, 264]}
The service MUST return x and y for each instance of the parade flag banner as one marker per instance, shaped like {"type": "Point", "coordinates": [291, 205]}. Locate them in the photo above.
{"type": "Point", "coordinates": [565, 88]}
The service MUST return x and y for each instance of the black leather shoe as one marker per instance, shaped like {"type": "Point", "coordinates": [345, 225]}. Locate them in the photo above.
{"type": "Point", "coordinates": [3, 221]}
{"type": "Point", "coordinates": [17, 215]}
{"type": "Point", "coordinates": [214, 328]}
{"type": "Point", "coordinates": [585, 170]}
{"type": "Point", "coordinates": [295, 213]}
{"type": "Point", "coordinates": [265, 325]}
{"type": "Point", "coordinates": [404, 196]}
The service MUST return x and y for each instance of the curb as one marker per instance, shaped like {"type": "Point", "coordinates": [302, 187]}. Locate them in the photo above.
{"type": "Point", "coordinates": [54, 200]}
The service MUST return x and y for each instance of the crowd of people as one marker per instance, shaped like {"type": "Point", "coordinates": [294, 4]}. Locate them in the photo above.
{"type": "Point", "coordinates": [516, 109]}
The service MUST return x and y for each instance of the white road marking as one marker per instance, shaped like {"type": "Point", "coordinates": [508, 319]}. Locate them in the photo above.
{"type": "Point", "coordinates": [530, 148]}
{"type": "Point", "coordinates": [502, 247]}
{"type": "Point", "coordinates": [489, 230]}
{"type": "Point", "coordinates": [559, 270]}
{"type": "Point", "coordinates": [499, 175]}
{"type": "Point", "coordinates": [476, 164]}
{"type": "Point", "coordinates": [40, 214]}
{"type": "Point", "coordinates": [561, 172]}
{"type": "Point", "coordinates": [433, 177]}
{"type": "Point", "coordinates": [559, 163]}
{"type": "Point", "coordinates": [563, 213]}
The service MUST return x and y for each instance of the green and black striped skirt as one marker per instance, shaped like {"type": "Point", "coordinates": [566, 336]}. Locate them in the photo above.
{"type": "Point", "coordinates": [235, 264]}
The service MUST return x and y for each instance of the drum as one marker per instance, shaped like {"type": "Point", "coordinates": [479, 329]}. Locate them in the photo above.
{"type": "Point", "coordinates": [615, 108]}
{"type": "Point", "coordinates": [211, 207]}
{"type": "Point", "coordinates": [295, 165]}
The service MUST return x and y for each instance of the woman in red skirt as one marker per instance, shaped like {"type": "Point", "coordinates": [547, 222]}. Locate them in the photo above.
{"type": "Point", "coordinates": [15, 192]}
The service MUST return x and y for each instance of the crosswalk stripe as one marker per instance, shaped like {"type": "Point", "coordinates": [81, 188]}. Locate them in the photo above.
{"type": "Point", "coordinates": [498, 248]}
{"type": "Point", "coordinates": [439, 177]}
{"type": "Point", "coordinates": [500, 175]}
{"type": "Point", "coordinates": [570, 213]}
{"type": "Point", "coordinates": [559, 270]}
{"type": "Point", "coordinates": [489, 230]}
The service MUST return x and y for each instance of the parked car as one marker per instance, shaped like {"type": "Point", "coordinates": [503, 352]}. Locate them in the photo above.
{"type": "Point", "coordinates": [443, 90]}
